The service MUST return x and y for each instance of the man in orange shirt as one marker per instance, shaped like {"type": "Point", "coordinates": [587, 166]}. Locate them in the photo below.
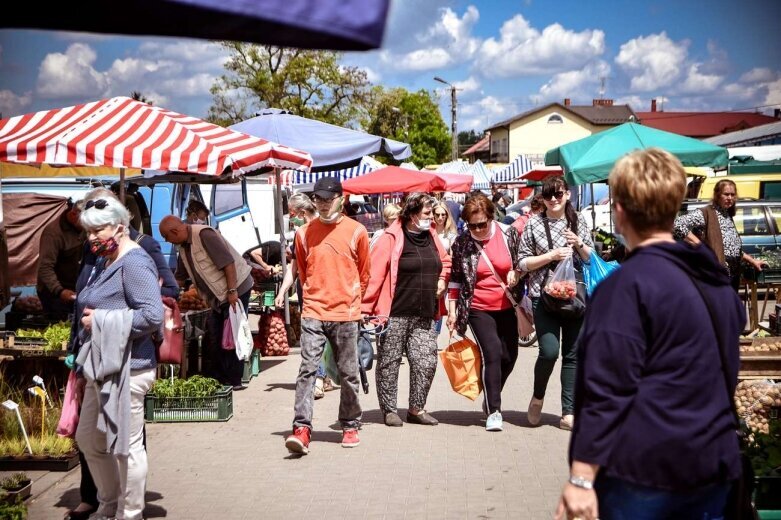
{"type": "Point", "coordinates": [332, 256]}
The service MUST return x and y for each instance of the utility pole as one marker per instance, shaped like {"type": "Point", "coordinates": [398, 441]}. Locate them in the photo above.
{"type": "Point", "coordinates": [453, 112]}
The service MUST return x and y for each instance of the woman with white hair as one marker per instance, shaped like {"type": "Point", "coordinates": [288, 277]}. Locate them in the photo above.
{"type": "Point", "coordinates": [118, 311]}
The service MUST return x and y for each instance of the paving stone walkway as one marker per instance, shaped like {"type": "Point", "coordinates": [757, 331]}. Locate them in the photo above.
{"type": "Point", "coordinates": [241, 469]}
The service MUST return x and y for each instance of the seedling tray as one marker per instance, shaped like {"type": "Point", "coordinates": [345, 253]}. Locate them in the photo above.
{"type": "Point", "coordinates": [39, 463]}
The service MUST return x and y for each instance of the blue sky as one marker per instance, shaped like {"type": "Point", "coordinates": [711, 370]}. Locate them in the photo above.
{"type": "Point", "coordinates": [507, 57]}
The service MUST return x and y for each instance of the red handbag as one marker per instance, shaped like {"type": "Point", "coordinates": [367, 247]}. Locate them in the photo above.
{"type": "Point", "coordinates": [170, 349]}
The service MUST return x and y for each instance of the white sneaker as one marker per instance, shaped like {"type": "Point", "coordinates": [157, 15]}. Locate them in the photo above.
{"type": "Point", "coordinates": [318, 390]}
{"type": "Point", "coordinates": [494, 422]}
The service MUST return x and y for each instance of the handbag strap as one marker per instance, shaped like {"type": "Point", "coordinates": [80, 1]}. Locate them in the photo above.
{"type": "Point", "coordinates": [496, 275]}
{"type": "Point", "coordinates": [720, 345]}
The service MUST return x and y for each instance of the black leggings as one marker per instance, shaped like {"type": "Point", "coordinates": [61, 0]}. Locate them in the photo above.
{"type": "Point", "coordinates": [496, 333]}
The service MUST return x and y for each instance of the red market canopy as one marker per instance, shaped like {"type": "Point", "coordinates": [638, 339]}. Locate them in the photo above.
{"type": "Point", "coordinates": [540, 173]}
{"type": "Point", "coordinates": [393, 179]}
{"type": "Point", "coordinates": [456, 182]}
{"type": "Point", "coordinates": [124, 133]}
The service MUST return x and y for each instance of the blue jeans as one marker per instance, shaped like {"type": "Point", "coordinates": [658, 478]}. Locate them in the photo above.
{"type": "Point", "coordinates": [622, 500]}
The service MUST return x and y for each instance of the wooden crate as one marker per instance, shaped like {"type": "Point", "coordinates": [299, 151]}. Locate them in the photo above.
{"type": "Point", "coordinates": [760, 366]}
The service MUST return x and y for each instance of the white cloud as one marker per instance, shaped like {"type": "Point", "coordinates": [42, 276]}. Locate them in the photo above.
{"type": "Point", "coordinates": [579, 85]}
{"type": "Point", "coordinates": [468, 85]}
{"type": "Point", "coordinates": [773, 96]}
{"type": "Point", "coordinates": [758, 75]}
{"type": "Point", "coordinates": [485, 112]}
{"type": "Point", "coordinates": [13, 105]}
{"type": "Point", "coordinates": [447, 42]}
{"type": "Point", "coordinates": [200, 56]}
{"type": "Point", "coordinates": [699, 83]}
{"type": "Point", "coordinates": [524, 50]}
{"type": "Point", "coordinates": [71, 75]}
{"type": "Point", "coordinates": [653, 61]}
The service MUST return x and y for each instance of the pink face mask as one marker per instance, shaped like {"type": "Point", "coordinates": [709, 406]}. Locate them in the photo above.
{"type": "Point", "coordinates": [104, 246]}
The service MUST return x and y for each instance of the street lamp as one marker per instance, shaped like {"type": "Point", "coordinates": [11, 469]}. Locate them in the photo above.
{"type": "Point", "coordinates": [454, 127]}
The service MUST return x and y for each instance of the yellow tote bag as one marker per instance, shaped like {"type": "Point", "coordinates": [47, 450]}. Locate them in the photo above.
{"type": "Point", "coordinates": [461, 361]}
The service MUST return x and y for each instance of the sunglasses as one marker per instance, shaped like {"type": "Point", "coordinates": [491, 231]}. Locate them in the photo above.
{"type": "Point", "coordinates": [315, 198]}
{"type": "Point", "coordinates": [477, 225]}
{"type": "Point", "coordinates": [97, 204]}
{"type": "Point", "coordinates": [440, 215]}
{"type": "Point", "coordinates": [559, 195]}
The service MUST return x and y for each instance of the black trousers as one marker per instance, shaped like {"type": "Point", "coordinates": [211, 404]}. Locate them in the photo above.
{"type": "Point", "coordinates": [496, 333]}
{"type": "Point", "coordinates": [225, 366]}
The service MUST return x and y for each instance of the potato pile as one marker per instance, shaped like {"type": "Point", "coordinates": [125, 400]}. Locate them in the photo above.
{"type": "Point", "coordinates": [765, 345]}
{"type": "Point", "coordinates": [28, 305]}
{"type": "Point", "coordinates": [271, 339]}
{"type": "Point", "coordinates": [754, 401]}
{"type": "Point", "coordinates": [191, 301]}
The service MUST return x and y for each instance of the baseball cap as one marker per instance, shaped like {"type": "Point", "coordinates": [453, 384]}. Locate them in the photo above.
{"type": "Point", "coordinates": [327, 187]}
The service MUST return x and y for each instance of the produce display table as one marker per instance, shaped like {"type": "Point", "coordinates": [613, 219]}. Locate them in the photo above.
{"type": "Point", "coordinates": [760, 358]}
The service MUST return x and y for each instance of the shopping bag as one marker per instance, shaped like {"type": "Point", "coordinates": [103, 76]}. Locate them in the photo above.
{"type": "Point", "coordinates": [69, 418]}
{"type": "Point", "coordinates": [563, 292]}
{"type": "Point", "coordinates": [171, 337]}
{"type": "Point", "coordinates": [596, 270]}
{"type": "Point", "coordinates": [461, 361]}
{"type": "Point", "coordinates": [525, 316]}
{"type": "Point", "coordinates": [242, 334]}
{"type": "Point", "coordinates": [227, 335]}
{"type": "Point", "coordinates": [329, 361]}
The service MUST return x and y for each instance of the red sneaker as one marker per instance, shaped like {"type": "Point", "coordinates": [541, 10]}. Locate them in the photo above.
{"type": "Point", "coordinates": [299, 441]}
{"type": "Point", "coordinates": [350, 439]}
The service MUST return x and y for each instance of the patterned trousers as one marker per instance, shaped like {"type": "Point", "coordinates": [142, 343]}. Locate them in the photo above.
{"type": "Point", "coordinates": [418, 338]}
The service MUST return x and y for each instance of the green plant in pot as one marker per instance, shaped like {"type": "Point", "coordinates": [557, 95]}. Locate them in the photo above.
{"type": "Point", "coordinates": [15, 482]}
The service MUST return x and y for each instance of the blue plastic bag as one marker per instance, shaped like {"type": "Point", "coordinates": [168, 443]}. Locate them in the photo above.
{"type": "Point", "coordinates": [596, 270]}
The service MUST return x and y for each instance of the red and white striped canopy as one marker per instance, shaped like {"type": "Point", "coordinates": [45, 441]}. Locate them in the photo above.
{"type": "Point", "coordinates": [123, 133]}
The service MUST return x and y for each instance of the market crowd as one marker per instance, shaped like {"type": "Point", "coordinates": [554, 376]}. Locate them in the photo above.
{"type": "Point", "coordinates": [627, 353]}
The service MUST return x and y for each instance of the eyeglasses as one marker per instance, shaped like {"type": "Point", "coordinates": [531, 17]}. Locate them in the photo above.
{"type": "Point", "coordinates": [474, 226]}
{"type": "Point", "coordinates": [98, 204]}
{"type": "Point", "coordinates": [317, 198]}
{"type": "Point", "coordinates": [559, 195]}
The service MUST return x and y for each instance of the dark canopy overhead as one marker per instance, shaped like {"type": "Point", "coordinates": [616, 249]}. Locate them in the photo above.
{"type": "Point", "coordinates": [308, 24]}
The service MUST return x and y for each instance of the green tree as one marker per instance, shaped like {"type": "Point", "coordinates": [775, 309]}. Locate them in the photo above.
{"type": "Point", "coordinates": [308, 83]}
{"type": "Point", "coordinates": [138, 96]}
{"type": "Point", "coordinates": [410, 117]}
{"type": "Point", "coordinates": [467, 138]}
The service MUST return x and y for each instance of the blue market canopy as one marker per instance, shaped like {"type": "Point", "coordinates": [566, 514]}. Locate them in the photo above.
{"type": "Point", "coordinates": [590, 159]}
{"type": "Point", "coordinates": [307, 24]}
{"type": "Point", "coordinates": [331, 147]}
{"type": "Point", "coordinates": [520, 165]}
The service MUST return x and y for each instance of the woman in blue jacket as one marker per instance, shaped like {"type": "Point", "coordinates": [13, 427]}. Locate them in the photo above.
{"type": "Point", "coordinates": [655, 434]}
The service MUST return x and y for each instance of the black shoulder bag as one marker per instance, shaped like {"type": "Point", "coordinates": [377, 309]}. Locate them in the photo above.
{"type": "Point", "coordinates": [568, 309]}
{"type": "Point", "coordinates": [739, 503]}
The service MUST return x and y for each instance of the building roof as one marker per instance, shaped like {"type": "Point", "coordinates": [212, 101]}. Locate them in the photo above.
{"type": "Point", "coordinates": [703, 124]}
{"type": "Point", "coordinates": [748, 136]}
{"type": "Point", "coordinates": [596, 115]}
{"type": "Point", "coordinates": [483, 145]}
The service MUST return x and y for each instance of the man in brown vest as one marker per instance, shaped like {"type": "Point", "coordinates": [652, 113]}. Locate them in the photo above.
{"type": "Point", "coordinates": [222, 278]}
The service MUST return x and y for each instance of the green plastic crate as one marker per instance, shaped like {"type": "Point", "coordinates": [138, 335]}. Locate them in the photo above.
{"type": "Point", "coordinates": [218, 407]}
{"type": "Point", "coordinates": [255, 362]}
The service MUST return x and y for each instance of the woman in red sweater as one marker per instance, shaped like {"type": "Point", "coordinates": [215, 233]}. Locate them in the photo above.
{"type": "Point", "coordinates": [483, 260]}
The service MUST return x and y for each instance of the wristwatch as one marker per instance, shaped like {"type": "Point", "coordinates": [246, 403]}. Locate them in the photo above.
{"type": "Point", "coordinates": [232, 291]}
{"type": "Point", "coordinates": [581, 482]}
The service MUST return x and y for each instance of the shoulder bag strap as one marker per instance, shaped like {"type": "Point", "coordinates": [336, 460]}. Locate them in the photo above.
{"type": "Point", "coordinates": [496, 275]}
{"type": "Point", "coordinates": [139, 238]}
{"type": "Point", "coordinates": [721, 347]}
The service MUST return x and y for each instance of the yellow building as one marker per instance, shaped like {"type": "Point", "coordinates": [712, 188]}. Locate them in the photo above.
{"type": "Point", "coordinates": [535, 132]}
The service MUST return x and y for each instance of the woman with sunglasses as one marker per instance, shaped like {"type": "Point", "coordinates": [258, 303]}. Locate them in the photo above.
{"type": "Point", "coordinates": [409, 272]}
{"type": "Point", "coordinates": [485, 261]}
{"type": "Point", "coordinates": [446, 227]}
{"type": "Point", "coordinates": [569, 234]}
{"type": "Point", "coordinates": [118, 309]}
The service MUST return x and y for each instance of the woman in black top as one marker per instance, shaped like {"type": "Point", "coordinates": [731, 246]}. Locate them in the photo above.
{"type": "Point", "coordinates": [409, 274]}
